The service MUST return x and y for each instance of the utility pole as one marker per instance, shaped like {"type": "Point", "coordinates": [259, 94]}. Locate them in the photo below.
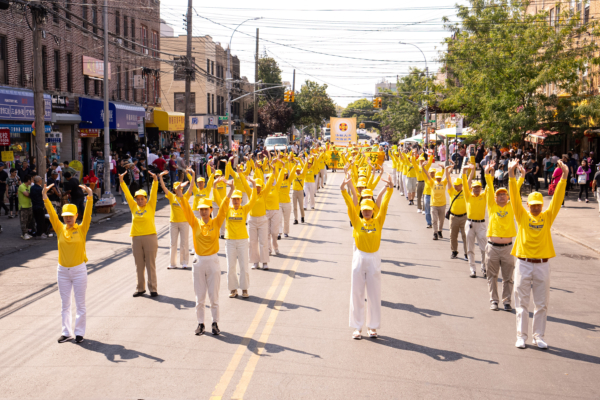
{"type": "Point", "coordinates": [293, 93]}
{"type": "Point", "coordinates": [255, 129]}
{"type": "Point", "coordinates": [188, 84]}
{"type": "Point", "coordinates": [106, 179]}
{"type": "Point", "coordinates": [39, 15]}
{"type": "Point", "coordinates": [426, 108]}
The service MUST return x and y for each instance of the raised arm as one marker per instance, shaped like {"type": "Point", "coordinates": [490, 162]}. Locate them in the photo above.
{"type": "Point", "coordinates": [56, 224]}
{"type": "Point", "coordinates": [162, 183]}
{"type": "Point", "coordinates": [352, 213]}
{"type": "Point", "coordinates": [185, 206]}
{"type": "Point", "coordinates": [386, 201]}
{"type": "Point", "coordinates": [448, 178]}
{"type": "Point", "coordinates": [515, 195]}
{"type": "Point", "coordinates": [130, 201]}
{"type": "Point", "coordinates": [559, 193]}
{"type": "Point", "coordinates": [383, 190]}
{"type": "Point", "coordinates": [153, 191]}
{"type": "Point", "coordinates": [87, 212]}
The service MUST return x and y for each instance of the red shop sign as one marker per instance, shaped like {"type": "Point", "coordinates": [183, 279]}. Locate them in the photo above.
{"type": "Point", "coordinates": [5, 137]}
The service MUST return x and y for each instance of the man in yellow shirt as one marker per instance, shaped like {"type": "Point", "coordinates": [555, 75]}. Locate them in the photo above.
{"type": "Point", "coordinates": [273, 213]}
{"type": "Point", "coordinates": [144, 242]}
{"type": "Point", "coordinates": [258, 225]}
{"type": "Point", "coordinates": [310, 188]}
{"type": "Point", "coordinates": [438, 199]}
{"type": "Point", "coordinates": [285, 202]}
{"type": "Point", "coordinates": [221, 187]}
{"type": "Point", "coordinates": [298, 190]}
{"type": "Point", "coordinates": [322, 170]}
{"type": "Point", "coordinates": [178, 226]}
{"type": "Point", "coordinates": [458, 214]}
{"type": "Point", "coordinates": [476, 228]}
{"type": "Point", "coordinates": [533, 249]}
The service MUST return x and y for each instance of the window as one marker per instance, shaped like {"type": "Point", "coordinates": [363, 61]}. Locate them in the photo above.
{"type": "Point", "coordinates": [126, 85]}
{"type": "Point", "coordinates": [208, 103]}
{"type": "Point", "coordinates": [146, 89]}
{"type": "Point", "coordinates": [133, 40]}
{"type": "Point", "coordinates": [95, 18]}
{"type": "Point", "coordinates": [70, 72]}
{"type": "Point", "coordinates": [44, 67]}
{"type": "Point", "coordinates": [3, 61]}
{"type": "Point", "coordinates": [57, 70]}
{"type": "Point", "coordinates": [118, 90]}
{"type": "Point", "coordinates": [84, 15]}
{"type": "Point", "coordinates": [586, 15]}
{"type": "Point", "coordinates": [96, 87]}
{"type": "Point", "coordinates": [218, 105]}
{"type": "Point", "coordinates": [213, 103]}
{"type": "Point", "coordinates": [86, 84]}
{"type": "Point", "coordinates": [55, 12]}
{"type": "Point", "coordinates": [552, 17]}
{"type": "Point", "coordinates": [118, 23]}
{"type": "Point", "coordinates": [180, 102]}
{"type": "Point", "coordinates": [155, 44]}
{"type": "Point", "coordinates": [125, 31]}
{"type": "Point", "coordinates": [557, 16]}
{"type": "Point", "coordinates": [145, 39]}
{"type": "Point", "coordinates": [207, 66]}
{"type": "Point", "coordinates": [212, 68]}
{"type": "Point", "coordinates": [157, 89]}
{"type": "Point", "coordinates": [68, 13]}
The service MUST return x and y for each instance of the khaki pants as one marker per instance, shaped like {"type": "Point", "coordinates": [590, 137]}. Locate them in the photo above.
{"type": "Point", "coordinates": [258, 232]}
{"type": "Point", "coordinates": [438, 216]}
{"type": "Point", "coordinates": [144, 253]}
{"type": "Point", "coordinates": [206, 277]}
{"type": "Point", "coordinates": [401, 182]}
{"type": "Point", "coordinates": [286, 211]}
{"type": "Point", "coordinates": [530, 278]}
{"type": "Point", "coordinates": [499, 258]}
{"type": "Point", "coordinates": [310, 189]}
{"type": "Point", "coordinates": [236, 251]}
{"type": "Point", "coordinates": [214, 213]}
{"type": "Point", "coordinates": [476, 230]}
{"type": "Point", "coordinates": [457, 224]}
{"type": "Point", "coordinates": [298, 200]}
{"type": "Point", "coordinates": [181, 230]}
{"type": "Point", "coordinates": [420, 189]}
{"type": "Point", "coordinates": [274, 217]}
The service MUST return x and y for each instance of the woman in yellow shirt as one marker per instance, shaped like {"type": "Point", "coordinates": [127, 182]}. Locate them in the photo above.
{"type": "Point", "coordinates": [144, 242]}
{"type": "Point", "coordinates": [206, 272]}
{"type": "Point", "coordinates": [72, 271]}
{"type": "Point", "coordinates": [178, 226]}
{"type": "Point", "coordinates": [366, 261]}
{"type": "Point", "coordinates": [258, 225]}
{"type": "Point", "coordinates": [438, 199]}
{"type": "Point", "coordinates": [285, 202]}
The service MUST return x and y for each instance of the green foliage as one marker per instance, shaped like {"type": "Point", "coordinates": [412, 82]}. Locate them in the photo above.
{"type": "Point", "coordinates": [314, 104]}
{"type": "Point", "coordinates": [269, 74]}
{"type": "Point", "coordinates": [501, 59]}
{"type": "Point", "coordinates": [362, 110]}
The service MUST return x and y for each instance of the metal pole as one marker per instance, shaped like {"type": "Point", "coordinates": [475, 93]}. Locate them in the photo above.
{"type": "Point", "coordinates": [39, 139]}
{"type": "Point", "coordinates": [293, 93]}
{"type": "Point", "coordinates": [229, 96]}
{"type": "Point", "coordinates": [255, 129]}
{"type": "Point", "coordinates": [107, 188]}
{"type": "Point", "coordinates": [188, 84]}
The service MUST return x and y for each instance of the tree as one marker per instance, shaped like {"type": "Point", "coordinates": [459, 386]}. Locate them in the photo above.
{"type": "Point", "coordinates": [273, 116]}
{"type": "Point", "coordinates": [502, 62]}
{"type": "Point", "coordinates": [269, 74]}
{"type": "Point", "coordinates": [314, 104]}
{"type": "Point", "coordinates": [362, 110]}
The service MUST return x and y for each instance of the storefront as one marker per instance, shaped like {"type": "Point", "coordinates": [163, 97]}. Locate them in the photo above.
{"type": "Point", "coordinates": [165, 129]}
{"type": "Point", "coordinates": [17, 114]}
{"type": "Point", "coordinates": [64, 120]}
{"type": "Point", "coordinates": [206, 128]}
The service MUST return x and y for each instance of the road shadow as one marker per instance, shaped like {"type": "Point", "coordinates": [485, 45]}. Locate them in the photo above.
{"type": "Point", "coordinates": [576, 324]}
{"type": "Point", "coordinates": [407, 264]}
{"type": "Point", "coordinates": [180, 304]}
{"type": "Point", "coordinates": [562, 290]}
{"type": "Point", "coordinates": [110, 351]}
{"type": "Point", "coordinates": [271, 304]}
{"type": "Point", "coordinates": [436, 354]}
{"type": "Point", "coordinates": [407, 276]}
{"type": "Point", "coordinates": [571, 355]}
{"type": "Point", "coordinates": [396, 241]}
{"type": "Point", "coordinates": [424, 312]}
{"type": "Point", "coordinates": [305, 259]}
{"type": "Point", "coordinates": [300, 274]}
{"type": "Point", "coordinates": [314, 241]}
{"type": "Point", "coordinates": [253, 345]}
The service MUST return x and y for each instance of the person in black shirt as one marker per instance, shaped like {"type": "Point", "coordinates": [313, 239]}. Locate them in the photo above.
{"type": "Point", "coordinates": [3, 178]}
{"type": "Point", "coordinates": [23, 170]}
{"type": "Point", "coordinates": [54, 192]}
{"type": "Point", "coordinates": [38, 208]}
{"type": "Point", "coordinates": [71, 187]}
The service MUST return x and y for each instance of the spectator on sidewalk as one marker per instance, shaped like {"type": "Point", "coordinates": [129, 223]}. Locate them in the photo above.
{"type": "Point", "coordinates": [181, 166]}
{"type": "Point", "coordinates": [25, 210]}
{"type": "Point", "coordinates": [159, 162]}
{"type": "Point", "coordinates": [54, 194]}
{"type": "Point", "coordinates": [531, 171]}
{"type": "Point", "coordinates": [549, 164]}
{"type": "Point", "coordinates": [173, 170]}
{"type": "Point", "coordinates": [23, 170]}
{"type": "Point", "coordinates": [3, 187]}
{"type": "Point", "coordinates": [583, 179]}
{"type": "Point", "coordinates": [71, 187]}
{"type": "Point", "coordinates": [37, 206]}
{"type": "Point", "coordinates": [596, 185]}
{"type": "Point", "coordinates": [13, 182]}
{"type": "Point", "coordinates": [68, 169]}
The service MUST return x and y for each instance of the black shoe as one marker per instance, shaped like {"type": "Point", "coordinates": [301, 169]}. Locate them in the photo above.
{"type": "Point", "coordinates": [295, 222]}
{"type": "Point", "coordinates": [278, 237]}
{"type": "Point", "coordinates": [429, 226]}
{"type": "Point", "coordinates": [484, 275]}
{"type": "Point", "coordinates": [466, 257]}
{"type": "Point", "coordinates": [222, 236]}
{"type": "Point", "coordinates": [435, 236]}
{"type": "Point", "coordinates": [454, 255]}
{"type": "Point", "coordinates": [64, 338]}
{"type": "Point", "coordinates": [78, 339]}
{"type": "Point", "coordinates": [507, 307]}
{"type": "Point", "coordinates": [302, 219]}
{"type": "Point", "coordinates": [215, 329]}
{"type": "Point", "coordinates": [153, 294]}
{"type": "Point", "coordinates": [199, 330]}
{"type": "Point", "coordinates": [138, 294]}
{"type": "Point", "coordinates": [440, 235]}
{"type": "Point", "coordinates": [473, 275]}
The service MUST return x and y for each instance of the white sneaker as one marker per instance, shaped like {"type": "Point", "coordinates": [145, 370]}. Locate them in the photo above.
{"type": "Point", "coordinates": [540, 343]}
{"type": "Point", "coordinates": [401, 193]}
{"type": "Point", "coordinates": [184, 266]}
{"type": "Point", "coordinates": [255, 266]}
{"type": "Point", "coordinates": [520, 343]}
{"type": "Point", "coordinates": [579, 200]}
{"type": "Point", "coordinates": [172, 267]}
{"type": "Point", "coordinates": [44, 236]}
{"type": "Point", "coordinates": [419, 210]}
{"type": "Point", "coordinates": [124, 203]}
{"type": "Point", "coordinates": [265, 267]}
{"type": "Point", "coordinates": [26, 236]}
{"type": "Point", "coordinates": [277, 252]}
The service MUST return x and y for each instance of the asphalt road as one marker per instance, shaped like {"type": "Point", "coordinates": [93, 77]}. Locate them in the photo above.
{"type": "Point", "coordinates": [291, 338]}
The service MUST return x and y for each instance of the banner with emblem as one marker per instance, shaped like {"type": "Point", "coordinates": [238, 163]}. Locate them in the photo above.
{"type": "Point", "coordinates": [343, 131]}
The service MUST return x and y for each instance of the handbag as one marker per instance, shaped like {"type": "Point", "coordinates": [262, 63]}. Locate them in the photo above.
{"type": "Point", "coordinates": [582, 179]}
{"type": "Point", "coordinates": [453, 200]}
{"type": "Point", "coordinates": [551, 189]}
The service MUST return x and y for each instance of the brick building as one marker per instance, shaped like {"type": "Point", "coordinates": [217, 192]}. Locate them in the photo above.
{"type": "Point", "coordinates": [72, 54]}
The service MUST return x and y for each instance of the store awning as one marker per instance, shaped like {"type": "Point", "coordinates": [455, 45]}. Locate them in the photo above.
{"type": "Point", "coordinates": [169, 121]}
{"type": "Point", "coordinates": [123, 117]}
{"type": "Point", "coordinates": [17, 104]}
{"type": "Point", "coordinates": [65, 119]}
{"type": "Point", "coordinates": [450, 133]}
{"type": "Point", "coordinates": [541, 137]}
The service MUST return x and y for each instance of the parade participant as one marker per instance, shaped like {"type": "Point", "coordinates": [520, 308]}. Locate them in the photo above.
{"type": "Point", "coordinates": [298, 190]}
{"type": "Point", "coordinates": [221, 187]}
{"type": "Point", "coordinates": [144, 242]}
{"type": "Point", "coordinates": [366, 261]}
{"type": "Point", "coordinates": [321, 170]}
{"type": "Point", "coordinates": [411, 175]}
{"type": "Point", "coordinates": [500, 233]}
{"type": "Point", "coordinates": [72, 270]}
{"type": "Point", "coordinates": [273, 213]}
{"type": "Point", "coordinates": [335, 159]}
{"type": "Point", "coordinates": [420, 179]}
{"type": "Point", "coordinates": [427, 198]}
{"type": "Point", "coordinates": [206, 273]}
{"type": "Point", "coordinates": [438, 199]}
{"type": "Point", "coordinates": [258, 225]}
{"type": "Point", "coordinates": [178, 226]}
{"type": "Point", "coordinates": [475, 226]}
{"type": "Point", "coordinates": [395, 167]}
{"type": "Point", "coordinates": [533, 249]}
{"type": "Point", "coordinates": [285, 202]}
{"type": "Point", "coordinates": [199, 191]}
{"type": "Point", "coordinates": [458, 214]}
{"type": "Point", "coordinates": [310, 187]}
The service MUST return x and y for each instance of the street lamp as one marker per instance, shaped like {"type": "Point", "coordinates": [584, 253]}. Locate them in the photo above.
{"type": "Point", "coordinates": [229, 81]}
{"type": "Point", "coordinates": [426, 92]}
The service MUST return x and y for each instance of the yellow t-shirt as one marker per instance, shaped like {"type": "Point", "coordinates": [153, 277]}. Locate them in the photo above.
{"type": "Point", "coordinates": [260, 207]}
{"type": "Point", "coordinates": [284, 189]}
{"type": "Point", "coordinates": [235, 221]}
{"type": "Point", "coordinates": [206, 236]}
{"type": "Point", "coordinates": [367, 234]}
{"type": "Point", "coordinates": [411, 172]}
{"type": "Point", "coordinates": [309, 177]}
{"type": "Point", "coordinates": [534, 239]}
{"type": "Point", "coordinates": [299, 180]}
{"type": "Point", "coordinates": [142, 219]}
{"type": "Point", "coordinates": [438, 192]}
{"type": "Point", "coordinates": [176, 212]}
{"type": "Point", "coordinates": [475, 205]}
{"type": "Point", "coordinates": [502, 219]}
{"type": "Point", "coordinates": [71, 242]}
{"type": "Point", "coordinates": [460, 206]}
{"type": "Point", "coordinates": [272, 199]}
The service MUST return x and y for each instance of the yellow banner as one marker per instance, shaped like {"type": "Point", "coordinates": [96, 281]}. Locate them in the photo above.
{"type": "Point", "coordinates": [376, 157]}
{"type": "Point", "coordinates": [343, 130]}
{"type": "Point", "coordinates": [8, 156]}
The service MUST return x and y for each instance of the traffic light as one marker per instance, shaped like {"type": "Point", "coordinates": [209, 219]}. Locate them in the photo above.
{"type": "Point", "coordinates": [379, 102]}
{"type": "Point", "coordinates": [329, 125]}
{"type": "Point", "coordinates": [375, 102]}
{"type": "Point", "coordinates": [286, 96]}
{"type": "Point", "coordinates": [292, 97]}
{"type": "Point", "coordinates": [362, 125]}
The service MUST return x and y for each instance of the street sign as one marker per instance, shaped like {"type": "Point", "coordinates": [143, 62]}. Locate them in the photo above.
{"type": "Point", "coordinates": [459, 126]}
{"type": "Point", "coordinates": [5, 137]}
{"type": "Point", "coordinates": [223, 118]}
{"type": "Point", "coordinates": [252, 125]}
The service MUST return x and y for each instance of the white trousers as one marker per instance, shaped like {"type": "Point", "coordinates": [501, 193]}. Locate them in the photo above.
{"type": "Point", "coordinates": [181, 230]}
{"type": "Point", "coordinates": [75, 279]}
{"type": "Point", "coordinates": [476, 230]}
{"type": "Point", "coordinates": [298, 200]}
{"type": "Point", "coordinates": [206, 276]}
{"type": "Point", "coordinates": [244, 198]}
{"type": "Point", "coordinates": [258, 231]}
{"type": "Point", "coordinates": [366, 273]}
{"type": "Point", "coordinates": [322, 177]}
{"type": "Point", "coordinates": [530, 277]}
{"type": "Point", "coordinates": [394, 177]}
{"type": "Point", "coordinates": [401, 182]}
{"type": "Point", "coordinates": [236, 251]}
{"type": "Point", "coordinates": [214, 213]}
{"type": "Point", "coordinates": [309, 189]}
{"type": "Point", "coordinates": [405, 182]}
{"type": "Point", "coordinates": [285, 210]}
{"type": "Point", "coordinates": [274, 217]}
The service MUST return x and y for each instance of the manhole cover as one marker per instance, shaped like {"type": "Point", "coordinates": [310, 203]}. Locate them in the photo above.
{"type": "Point", "coordinates": [579, 257]}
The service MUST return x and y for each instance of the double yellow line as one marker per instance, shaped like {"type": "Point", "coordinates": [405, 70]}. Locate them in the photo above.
{"type": "Point", "coordinates": [242, 386]}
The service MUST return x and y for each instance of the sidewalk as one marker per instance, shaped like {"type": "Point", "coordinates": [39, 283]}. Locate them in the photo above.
{"type": "Point", "coordinates": [10, 238]}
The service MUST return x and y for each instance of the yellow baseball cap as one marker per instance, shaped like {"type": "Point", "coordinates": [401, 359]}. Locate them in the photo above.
{"type": "Point", "coordinates": [535, 198]}
{"type": "Point", "coordinates": [439, 174]}
{"type": "Point", "coordinates": [259, 182]}
{"type": "Point", "coordinates": [501, 190]}
{"type": "Point", "coordinates": [141, 192]}
{"type": "Point", "coordinates": [367, 205]}
{"type": "Point", "coordinates": [218, 172]}
{"type": "Point", "coordinates": [176, 185]}
{"type": "Point", "coordinates": [367, 192]}
{"type": "Point", "coordinates": [237, 194]}
{"type": "Point", "coordinates": [457, 181]}
{"type": "Point", "coordinates": [69, 210]}
{"type": "Point", "coordinates": [205, 203]}
{"type": "Point", "coordinates": [201, 179]}
{"type": "Point", "coordinates": [476, 183]}
{"type": "Point", "coordinates": [361, 183]}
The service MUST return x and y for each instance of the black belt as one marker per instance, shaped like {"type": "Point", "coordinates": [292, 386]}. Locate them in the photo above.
{"type": "Point", "coordinates": [476, 220]}
{"type": "Point", "coordinates": [534, 260]}
{"type": "Point", "coordinates": [461, 215]}
{"type": "Point", "coordinates": [499, 244]}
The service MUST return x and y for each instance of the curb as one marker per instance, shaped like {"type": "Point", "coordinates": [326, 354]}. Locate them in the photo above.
{"type": "Point", "coordinates": [580, 242]}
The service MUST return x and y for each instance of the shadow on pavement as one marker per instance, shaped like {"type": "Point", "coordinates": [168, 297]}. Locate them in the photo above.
{"type": "Point", "coordinates": [436, 354]}
{"type": "Point", "coordinates": [407, 264]}
{"type": "Point", "coordinates": [305, 259]}
{"type": "Point", "coordinates": [253, 345]}
{"type": "Point", "coordinates": [300, 274]}
{"type": "Point", "coordinates": [112, 350]}
{"type": "Point", "coordinates": [407, 276]}
{"type": "Point", "coordinates": [315, 241]}
{"type": "Point", "coordinates": [562, 290]}
{"type": "Point", "coordinates": [576, 324]}
{"type": "Point", "coordinates": [180, 304]}
{"type": "Point", "coordinates": [571, 355]}
{"type": "Point", "coordinates": [396, 241]}
{"type": "Point", "coordinates": [271, 304]}
{"type": "Point", "coordinates": [424, 312]}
